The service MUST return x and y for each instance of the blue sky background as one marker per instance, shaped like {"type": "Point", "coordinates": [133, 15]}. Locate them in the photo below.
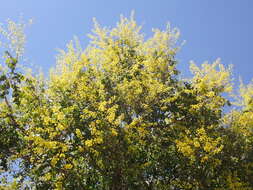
{"type": "Point", "coordinates": [211, 28]}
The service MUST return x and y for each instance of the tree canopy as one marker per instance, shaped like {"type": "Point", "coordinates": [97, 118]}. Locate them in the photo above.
{"type": "Point", "coordinates": [119, 116]}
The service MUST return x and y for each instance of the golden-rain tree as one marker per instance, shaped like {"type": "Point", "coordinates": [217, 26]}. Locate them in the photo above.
{"type": "Point", "coordinates": [118, 116]}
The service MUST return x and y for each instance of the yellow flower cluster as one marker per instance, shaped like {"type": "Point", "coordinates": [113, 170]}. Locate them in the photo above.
{"type": "Point", "coordinates": [190, 147]}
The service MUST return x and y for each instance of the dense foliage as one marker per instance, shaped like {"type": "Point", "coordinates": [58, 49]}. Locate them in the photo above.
{"type": "Point", "coordinates": [118, 116]}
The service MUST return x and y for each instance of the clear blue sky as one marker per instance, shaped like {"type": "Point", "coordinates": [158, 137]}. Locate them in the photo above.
{"type": "Point", "coordinates": [211, 28]}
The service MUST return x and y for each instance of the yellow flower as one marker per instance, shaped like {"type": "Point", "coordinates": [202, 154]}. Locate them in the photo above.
{"type": "Point", "coordinates": [88, 143]}
{"type": "Point", "coordinates": [98, 140]}
{"type": "Point", "coordinates": [51, 145]}
{"type": "Point", "coordinates": [208, 147]}
{"type": "Point", "coordinates": [52, 135]}
{"type": "Point", "coordinates": [61, 127]}
{"type": "Point", "coordinates": [65, 148]}
{"type": "Point", "coordinates": [78, 133]}
{"type": "Point", "coordinates": [58, 185]}
{"type": "Point", "coordinates": [205, 158]}
{"type": "Point", "coordinates": [54, 161]}
{"type": "Point", "coordinates": [47, 120]}
{"type": "Point", "coordinates": [196, 144]}
{"type": "Point", "coordinates": [60, 116]}
{"type": "Point", "coordinates": [114, 132]}
{"type": "Point", "coordinates": [68, 166]}
{"type": "Point", "coordinates": [111, 117]}
{"type": "Point", "coordinates": [55, 109]}
{"type": "Point", "coordinates": [47, 176]}
{"type": "Point", "coordinates": [102, 106]}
